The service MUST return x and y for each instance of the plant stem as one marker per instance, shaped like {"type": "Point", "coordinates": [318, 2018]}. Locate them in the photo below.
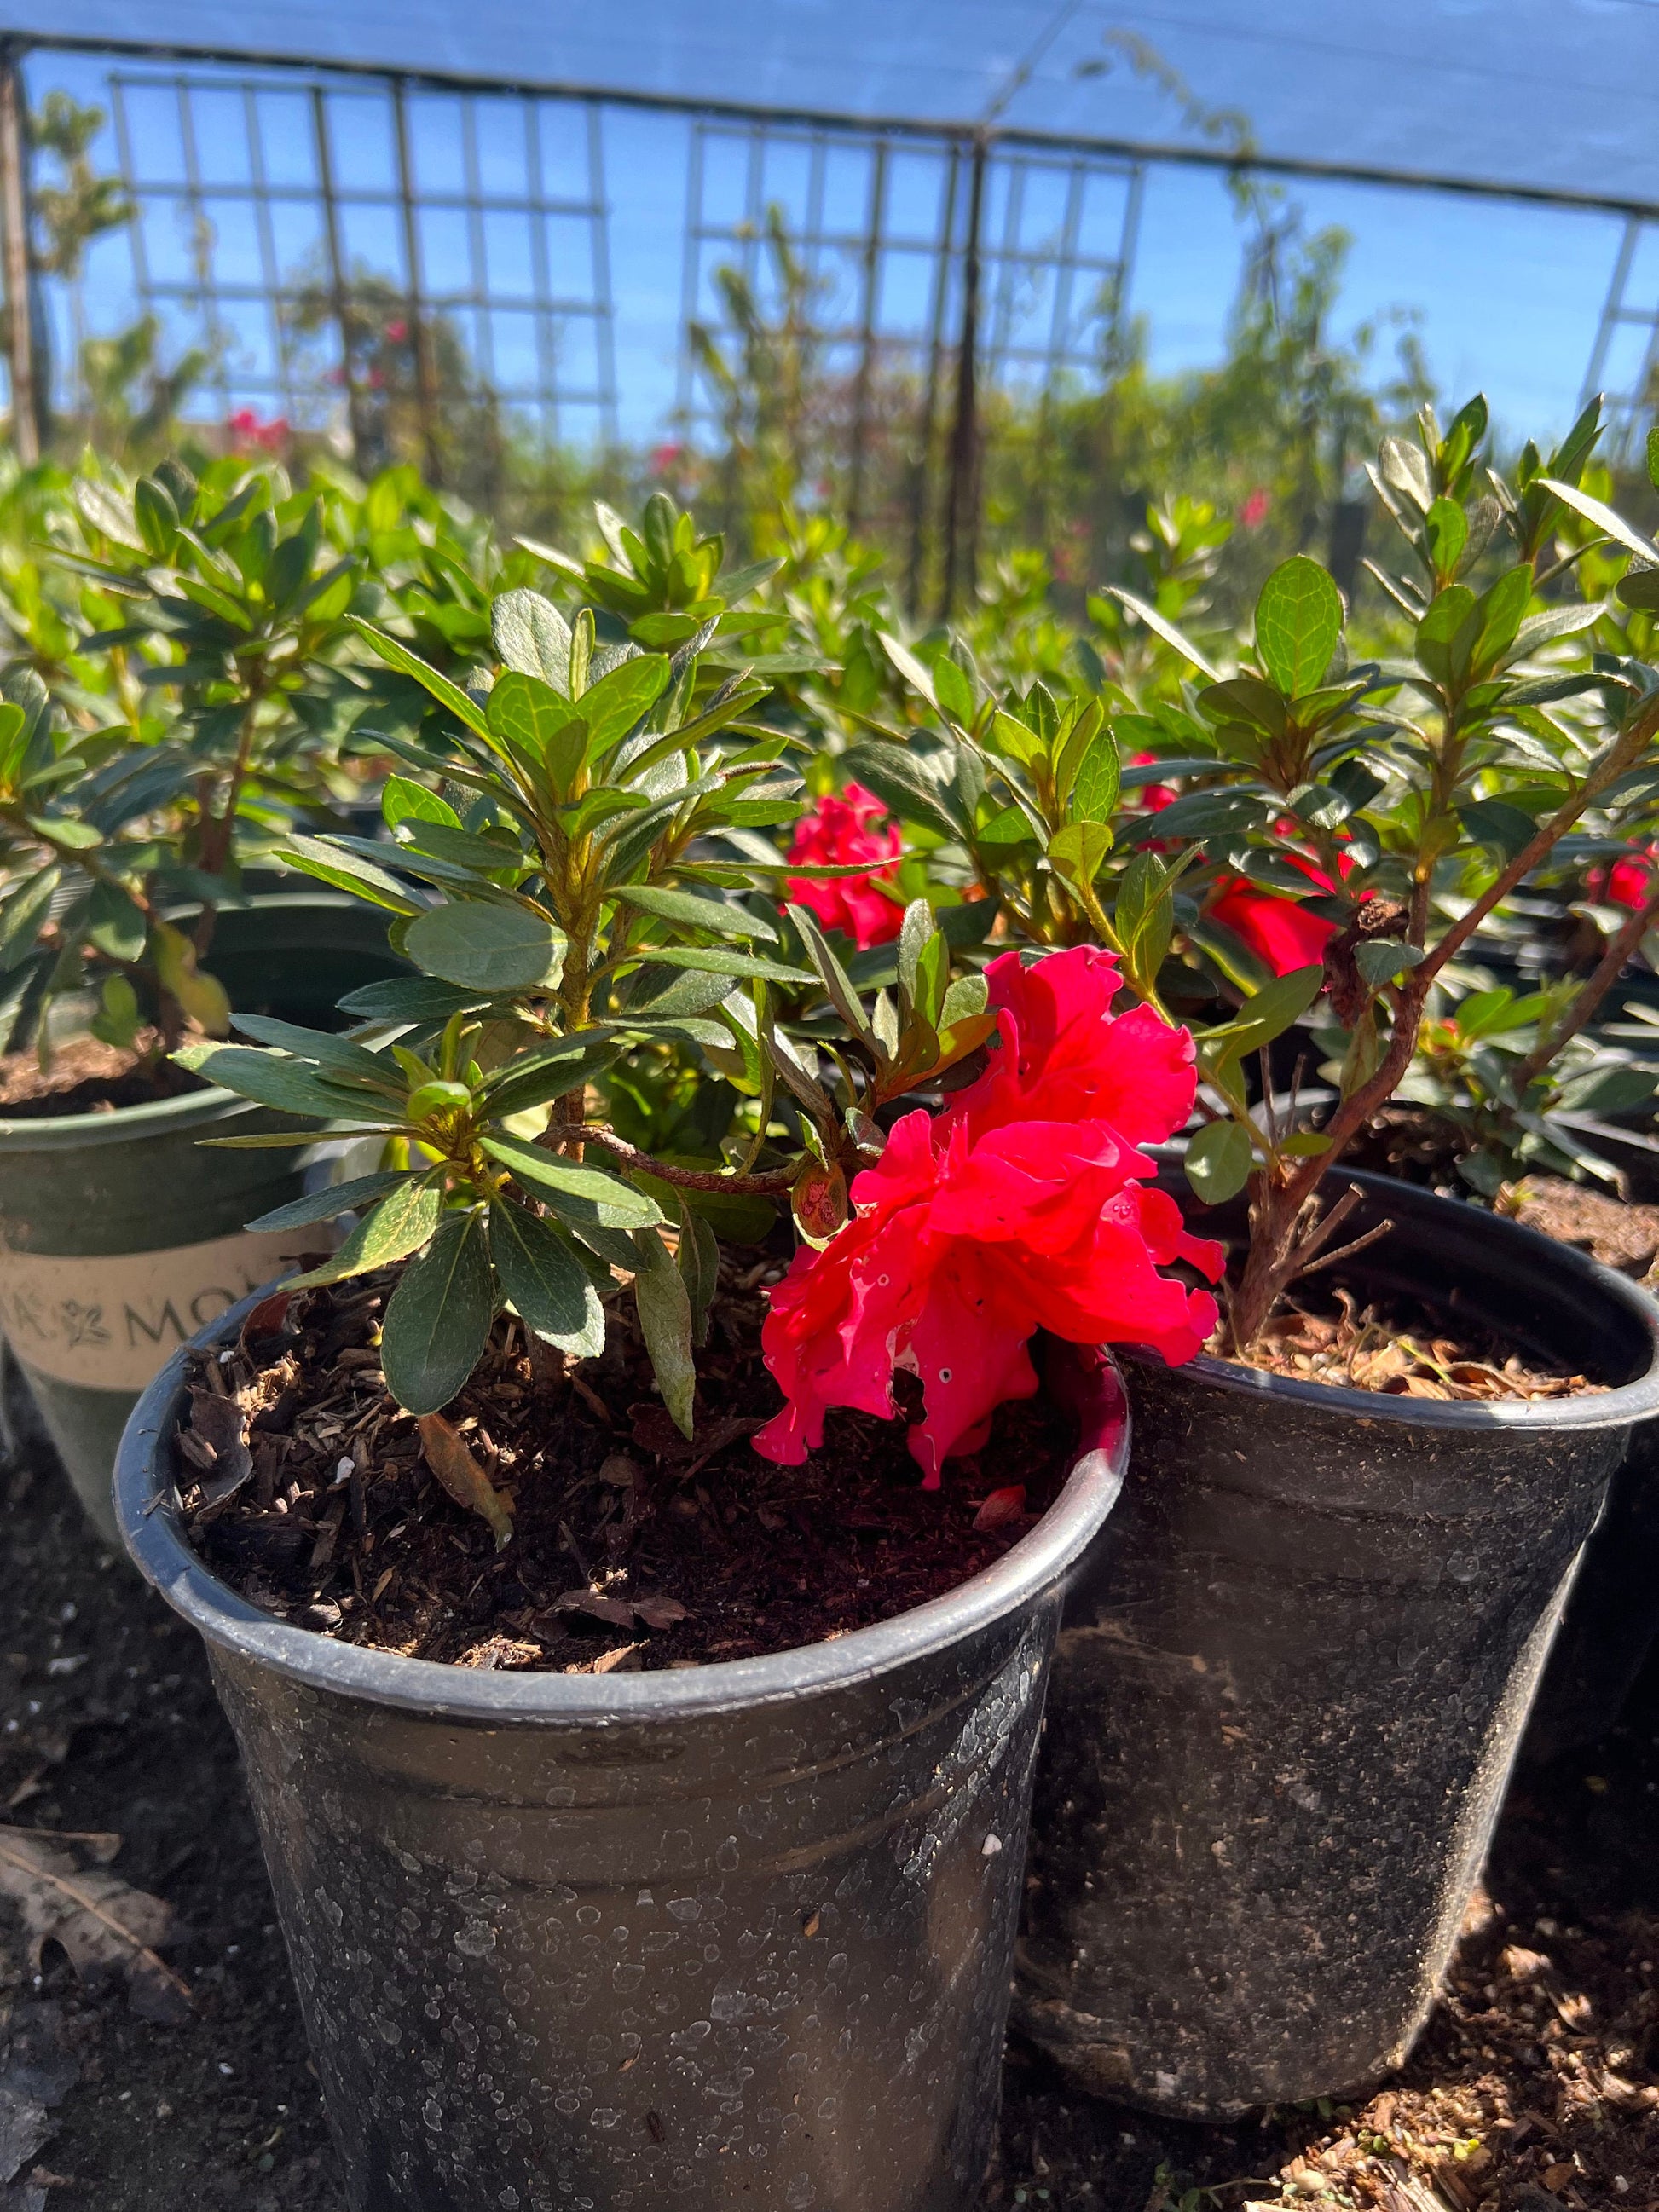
{"type": "Point", "coordinates": [771, 1184]}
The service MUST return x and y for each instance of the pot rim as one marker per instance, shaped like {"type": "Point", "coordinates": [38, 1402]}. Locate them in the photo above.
{"type": "Point", "coordinates": [1617, 1407]}
{"type": "Point", "coordinates": [149, 1528]}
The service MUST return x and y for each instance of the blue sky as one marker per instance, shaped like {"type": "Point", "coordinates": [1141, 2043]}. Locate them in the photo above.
{"type": "Point", "coordinates": [1505, 297]}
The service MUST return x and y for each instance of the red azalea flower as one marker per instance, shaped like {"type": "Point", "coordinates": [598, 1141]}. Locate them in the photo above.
{"type": "Point", "coordinates": [1628, 881]}
{"type": "Point", "coordinates": [836, 833]}
{"type": "Point", "coordinates": [1154, 796]}
{"type": "Point", "coordinates": [1278, 930]}
{"type": "Point", "coordinates": [1021, 1206]}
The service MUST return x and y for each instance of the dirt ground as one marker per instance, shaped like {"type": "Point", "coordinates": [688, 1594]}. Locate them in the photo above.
{"type": "Point", "coordinates": [1534, 2088]}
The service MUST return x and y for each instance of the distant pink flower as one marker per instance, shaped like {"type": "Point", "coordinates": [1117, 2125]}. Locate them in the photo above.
{"type": "Point", "coordinates": [246, 430]}
{"type": "Point", "coordinates": [397, 332]}
{"type": "Point", "coordinates": [1254, 511]}
{"type": "Point", "coordinates": [665, 459]}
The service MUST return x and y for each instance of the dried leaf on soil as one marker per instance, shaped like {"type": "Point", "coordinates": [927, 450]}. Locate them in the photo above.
{"type": "Point", "coordinates": [103, 1923]}
{"type": "Point", "coordinates": [447, 1456]}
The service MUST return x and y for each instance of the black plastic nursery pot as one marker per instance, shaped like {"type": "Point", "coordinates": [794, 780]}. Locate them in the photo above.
{"type": "Point", "coordinates": [1287, 1698]}
{"type": "Point", "coordinates": [120, 1234]}
{"type": "Point", "coordinates": [733, 1934]}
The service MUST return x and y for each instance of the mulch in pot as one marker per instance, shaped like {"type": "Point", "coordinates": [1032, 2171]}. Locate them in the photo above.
{"type": "Point", "coordinates": [86, 1077]}
{"type": "Point", "coordinates": [631, 1546]}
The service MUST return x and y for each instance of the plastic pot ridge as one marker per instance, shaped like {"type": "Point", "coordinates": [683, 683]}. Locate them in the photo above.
{"type": "Point", "coordinates": [740, 1933]}
{"type": "Point", "coordinates": [1286, 1701]}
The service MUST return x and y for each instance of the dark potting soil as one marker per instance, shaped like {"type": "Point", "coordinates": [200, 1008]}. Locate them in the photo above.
{"type": "Point", "coordinates": [86, 1077]}
{"type": "Point", "coordinates": [631, 1546]}
{"type": "Point", "coordinates": [1536, 2087]}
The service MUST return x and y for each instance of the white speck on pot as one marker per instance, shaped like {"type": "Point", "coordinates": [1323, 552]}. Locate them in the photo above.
{"type": "Point", "coordinates": [990, 1847]}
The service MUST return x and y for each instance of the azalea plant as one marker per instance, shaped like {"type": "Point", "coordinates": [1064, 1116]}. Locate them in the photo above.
{"type": "Point", "coordinates": [1333, 826]}
{"type": "Point", "coordinates": [605, 890]}
{"type": "Point", "coordinates": [186, 729]}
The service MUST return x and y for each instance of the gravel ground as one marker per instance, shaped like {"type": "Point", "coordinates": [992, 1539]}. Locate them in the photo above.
{"type": "Point", "coordinates": [1534, 2086]}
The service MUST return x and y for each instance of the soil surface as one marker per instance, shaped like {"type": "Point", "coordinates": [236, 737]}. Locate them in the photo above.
{"type": "Point", "coordinates": [1536, 2087]}
{"type": "Point", "coordinates": [86, 1077]}
{"type": "Point", "coordinates": [625, 1544]}
{"type": "Point", "coordinates": [1400, 1355]}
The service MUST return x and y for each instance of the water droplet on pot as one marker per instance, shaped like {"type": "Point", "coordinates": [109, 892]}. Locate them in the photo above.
{"type": "Point", "coordinates": [477, 1939]}
{"type": "Point", "coordinates": [991, 1846]}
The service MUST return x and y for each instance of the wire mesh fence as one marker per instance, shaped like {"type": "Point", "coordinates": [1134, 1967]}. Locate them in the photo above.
{"type": "Point", "coordinates": [415, 268]}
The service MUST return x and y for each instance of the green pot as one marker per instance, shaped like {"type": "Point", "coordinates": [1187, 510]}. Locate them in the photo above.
{"type": "Point", "coordinates": [120, 1236]}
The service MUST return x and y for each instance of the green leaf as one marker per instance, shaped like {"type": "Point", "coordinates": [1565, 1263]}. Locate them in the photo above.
{"type": "Point", "coordinates": [953, 690]}
{"type": "Point", "coordinates": [1160, 628]}
{"type": "Point", "coordinates": [1218, 1161]}
{"type": "Point", "coordinates": [339, 1198]}
{"type": "Point", "coordinates": [488, 946]}
{"type": "Point", "coordinates": [1448, 530]}
{"type": "Point", "coordinates": [1500, 611]}
{"type": "Point", "coordinates": [698, 1259]}
{"type": "Point", "coordinates": [720, 960]}
{"type": "Point", "coordinates": [288, 1085]}
{"type": "Point", "coordinates": [334, 1056]}
{"type": "Point", "coordinates": [716, 914]}
{"type": "Point", "coordinates": [438, 1321]}
{"type": "Point", "coordinates": [620, 1205]}
{"type": "Point", "coordinates": [1267, 1013]}
{"type": "Point", "coordinates": [156, 516]}
{"type": "Point", "coordinates": [1384, 959]}
{"type": "Point", "coordinates": [404, 800]}
{"type": "Point", "coordinates": [466, 711]}
{"type": "Point", "coordinates": [612, 705]}
{"type": "Point", "coordinates": [114, 923]}
{"type": "Point", "coordinates": [1603, 517]}
{"type": "Point", "coordinates": [408, 999]}
{"type": "Point", "coordinates": [532, 635]}
{"type": "Point", "coordinates": [1299, 623]}
{"type": "Point", "coordinates": [1495, 823]}
{"type": "Point", "coordinates": [665, 1311]}
{"type": "Point", "coordinates": [1095, 786]}
{"type": "Point", "coordinates": [530, 718]}
{"type": "Point", "coordinates": [1080, 850]}
{"type": "Point", "coordinates": [398, 1225]}
{"type": "Point", "coordinates": [915, 674]}
{"type": "Point", "coordinates": [346, 872]}
{"type": "Point", "coordinates": [542, 1276]}
{"type": "Point", "coordinates": [1440, 627]}
{"type": "Point", "coordinates": [903, 786]}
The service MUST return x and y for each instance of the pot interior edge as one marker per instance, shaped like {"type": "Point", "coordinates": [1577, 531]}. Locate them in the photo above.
{"type": "Point", "coordinates": [1037, 1563]}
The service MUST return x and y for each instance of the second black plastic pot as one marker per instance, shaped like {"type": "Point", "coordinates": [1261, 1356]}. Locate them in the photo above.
{"type": "Point", "coordinates": [1287, 1699]}
{"type": "Point", "coordinates": [740, 1934]}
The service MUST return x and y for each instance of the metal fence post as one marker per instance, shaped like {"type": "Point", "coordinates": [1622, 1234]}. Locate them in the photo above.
{"type": "Point", "coordinates": [961, 498]}
{"type": "Point", "coordinates": [867, 340]}
{"type": "Point", "coordinates": [14, 190]}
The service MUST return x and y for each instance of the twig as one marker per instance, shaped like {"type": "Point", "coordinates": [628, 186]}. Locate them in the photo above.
{"type": "Point", "coordinates": [773, 1181]}
{"type": "Point", "coordinates": [1346, 1251]}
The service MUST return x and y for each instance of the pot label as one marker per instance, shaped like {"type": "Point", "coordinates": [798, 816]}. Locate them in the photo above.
{"type": "Point", "coordinates": [110, 1320]}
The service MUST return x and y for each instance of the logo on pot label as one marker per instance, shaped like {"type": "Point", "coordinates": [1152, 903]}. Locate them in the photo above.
{"type": "Point", "coordinates": [110, 1320]}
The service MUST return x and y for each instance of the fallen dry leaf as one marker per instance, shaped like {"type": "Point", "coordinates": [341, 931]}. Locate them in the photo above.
{"type": "Point", "coordinates": [103, 1923]}
{"type": "Point", "coordinates": [447, 1456]}
{"type": "Point", "coordinates": [1001, 1507]}
{"type": "Point", "coordinates": [658, 1612]}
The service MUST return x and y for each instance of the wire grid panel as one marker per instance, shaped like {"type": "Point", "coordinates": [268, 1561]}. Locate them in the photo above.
{"type": "Point", "coordinates": [878, 225]}
{"type": "Point", "coordinates": [1625, 358]}
{"type": "Point", "coordinates": [274, 217]}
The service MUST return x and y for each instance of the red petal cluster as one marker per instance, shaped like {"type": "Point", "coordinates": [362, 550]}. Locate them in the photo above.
{"type": "Point", "coordinates": [838, 832]}
{"type": "Point", "coordinates": [1021, 1206]}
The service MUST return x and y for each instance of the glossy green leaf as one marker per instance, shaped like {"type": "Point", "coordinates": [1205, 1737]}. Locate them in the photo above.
{"type": "Point", "coordinates": [334, 1056]}
{"type": "Point", "coordinates": [438, 1321]}
{"type": "Point", "coordinates": [398, 1225]}
{"type": "Point", "coordinates": [488, 946]}
{"type": "Point", "coordinates": [339, 1198]}
{"type": "Point", "coordinates": [1218, 1161]}
{"type": "Point", "coordinates": [719, 916]}
{"type": "Point", "coordinates": [532, 636]}
{"type": "Point", "coordinates": [620, 1205]}
{"type": "Point", "coordinates": [1095, 786]}
{"type": "Point", "coordinates": [1298, 624]}
{"type": "Point", "coordinates": [465, 710]}
{"type": "Point", "coordinates": [540, 1274]}
{"type": "Point", "coordinates": [404, 800]}
{"type": "Point", "coordinates": [346, 872]}
{"type": "Point", "coordinates": [665, 1311]}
